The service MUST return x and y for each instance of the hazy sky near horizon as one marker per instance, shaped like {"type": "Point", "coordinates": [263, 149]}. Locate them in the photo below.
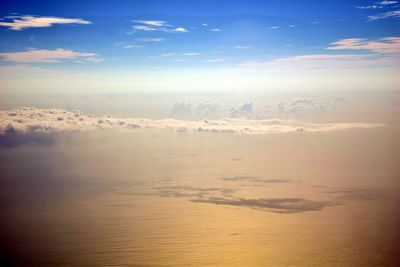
{"type": "Point", "coordinates": [191, 46]}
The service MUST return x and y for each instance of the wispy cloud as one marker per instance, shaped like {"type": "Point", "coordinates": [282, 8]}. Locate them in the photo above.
{"type": "Point", "coordinates": [188, 54]}
{"type": "Point", "coordinates": [388, 45]}
{"type": "Point", "coordinates": [305, 61]}
{"type": "Point", "coordinates": [95, 60]}
{"type": "Point", "coordinates": [47, 56]}
{"type": "Point", "coordinates": [144, 28]}
{"type": "Point", "coordinates": [168, 54]}
{"type": "Point", "coordinates": [385, 15]}
{"type": "Point", "coordinates": [18, 23]}
{"type": "Point", "coordinates": [387, 2]}
{"type": "Point", "coordinates": [151, 40]}
{"type": "Point", "coordinates": [274, 27]}
{"type": "Point", "coordinates": [241, 46]}
{"type": "Point", "coordinates": [128, 46]}
{"type": "Point", "coordinates": [378, 5]}
{"type": "Point", "coordinates": [154, 23]}
{"type": "Point", "coordinates": [215, 30]}
{"type": "Point", "coordinates": [157, 25]}
{"type": "Point", "coordinates": [370, 7]}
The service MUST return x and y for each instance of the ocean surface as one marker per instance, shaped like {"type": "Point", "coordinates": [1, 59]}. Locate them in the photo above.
{"type": "Point", "coordinates": [158, 198]}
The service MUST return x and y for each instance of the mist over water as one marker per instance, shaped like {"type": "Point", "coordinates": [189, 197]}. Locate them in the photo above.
{"type": "Point", "coordinates": [156, 197]}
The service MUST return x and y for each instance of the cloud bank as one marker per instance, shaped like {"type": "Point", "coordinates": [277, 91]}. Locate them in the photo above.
{"type": "Point", "coordinates": [36, 121]}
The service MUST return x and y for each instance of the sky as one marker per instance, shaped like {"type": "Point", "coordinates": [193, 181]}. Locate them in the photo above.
{"type": "Point", "coordinates": [192, 46]}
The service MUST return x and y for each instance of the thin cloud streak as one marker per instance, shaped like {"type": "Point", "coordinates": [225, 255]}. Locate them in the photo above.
{"type": "Point", "coordinates": [46, 56]}
{"type": "Point", "coordinates": [154, 23]}
{"type": "Point", "coordinates": [388, 45]}
{"type": "Point", "coordinates": [324, 61]}
{"type": "Point", "coordinates": [385, 15]}
{"type": "Point", "coordinates": [19, 23]}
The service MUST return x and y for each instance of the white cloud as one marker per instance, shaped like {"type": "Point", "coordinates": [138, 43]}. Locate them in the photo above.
{"type": "Point", "coordinates": [378, 5]}
{"type": "Point", "coordinates": [144, 28]}
{"type": "Point", "coordinates": [204, 24]}
{"type": "Point", "coordinates": [181, 29]}
{"type": "Point", "coordinates": [151, 40]}
{"type": "Point", "coordinates": [385, 53]}
{"type": "Point", "coordinates": [369, 7]}
{"type": "Point", "coordinates": [150, 25]}
{"type": "Point", "coordinates": [215, 30]}
{"type": "Point", "coordinates": [274, 27]}
{"type": "Point", "coordinates": [94, 60]}
{"type": "Point", "coordinates": [387, 2]}
{"type": "Point", "coordinates": [128, 46]}
{"type": "Point", "coordinates": [241, 46]}
{"type": "Point", "coordinates": [29, 120]}
{"type": "Point", "coordinates": [389, 14]}
{"type": "Point", "coordinates": [45, 56]}
{"type": "Point", "coordinates": [324, 61]}
{"type": "Point", "coordinates": [168, 54]}
{"type": "Point", "coordinates": [18, 23]}
{"type": "Point", "coordinates": [189, 54]}
{"type": "Point", "coordinates": [154, 23]}
{"type": "Point", "coordinates": [388, 45]}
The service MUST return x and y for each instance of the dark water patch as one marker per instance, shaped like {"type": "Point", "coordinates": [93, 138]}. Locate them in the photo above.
{"type": "Point", "coordinates": [254, 179]}
{"type": "Point", "coordinates": [277, 205]}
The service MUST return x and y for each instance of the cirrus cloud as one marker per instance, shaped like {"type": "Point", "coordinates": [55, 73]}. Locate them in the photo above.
{"type": "Point", "coordinates": [387, 45]}
{"type": "Point", "coordinates": [18, 23]}
{"type": "Point", "coordinates": [47, 56]}
{"type": "Point", "coordinates": [385, 15]}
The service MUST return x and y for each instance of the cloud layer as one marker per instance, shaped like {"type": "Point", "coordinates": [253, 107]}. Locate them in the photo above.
{"type": "Point", "coordinates": [34, 121]}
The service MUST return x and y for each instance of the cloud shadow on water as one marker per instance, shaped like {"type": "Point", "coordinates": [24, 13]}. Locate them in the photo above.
{"type": "Point", "coordinates": [254, 179]}
{"type": "Point", "coordinates": [277, 205]}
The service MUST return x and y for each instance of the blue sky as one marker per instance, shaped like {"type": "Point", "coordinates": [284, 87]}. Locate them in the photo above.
{"type": "Point", "coordinates": [116, 38]}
